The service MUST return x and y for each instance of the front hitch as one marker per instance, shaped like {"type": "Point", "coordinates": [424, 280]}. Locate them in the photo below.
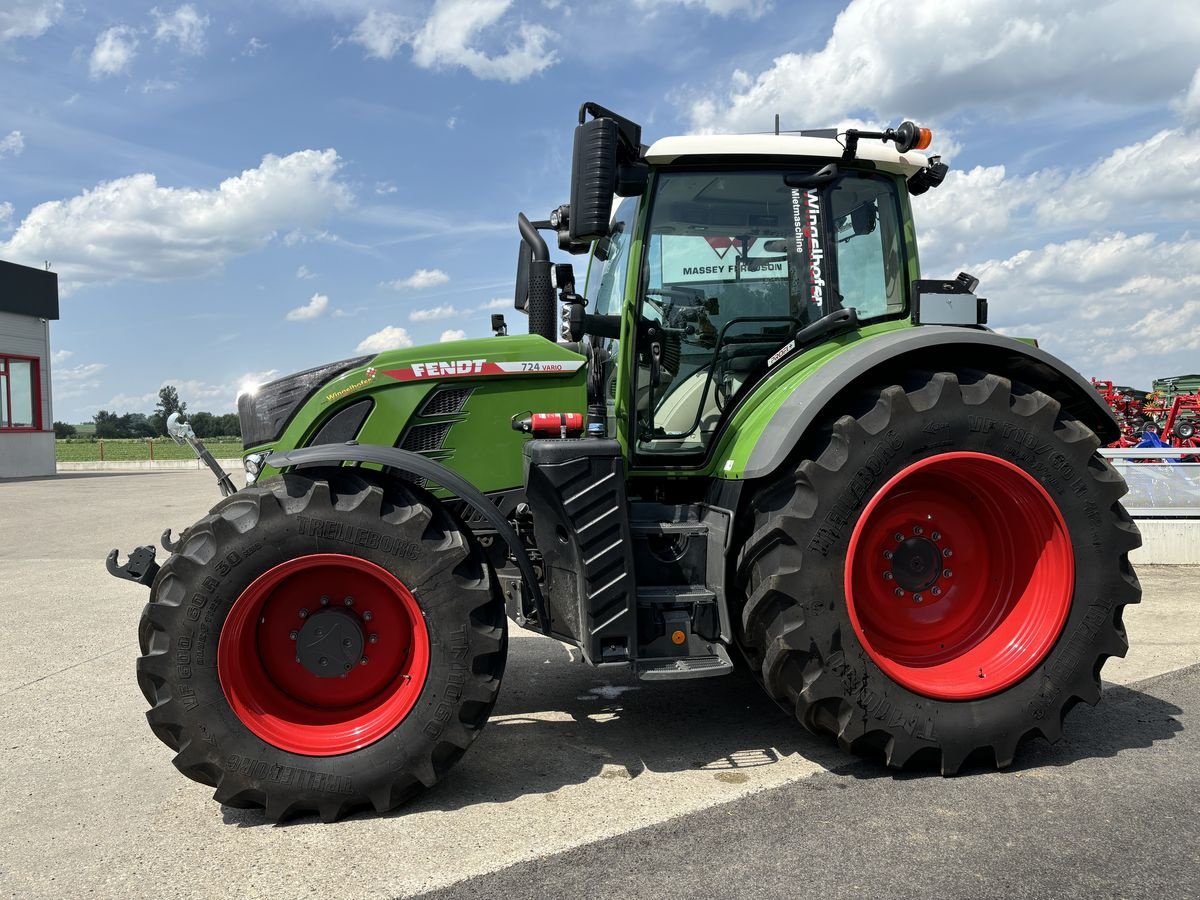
{"type": "Point", "coordinates": [140, 568]}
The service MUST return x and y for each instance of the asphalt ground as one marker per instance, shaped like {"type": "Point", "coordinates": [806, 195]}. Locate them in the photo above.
{"type": "Point", "coordinates": [580, 785]}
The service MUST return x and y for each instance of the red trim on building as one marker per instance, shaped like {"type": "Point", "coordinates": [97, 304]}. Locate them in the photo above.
{"type": "Point", "coordinates": [35, 373]}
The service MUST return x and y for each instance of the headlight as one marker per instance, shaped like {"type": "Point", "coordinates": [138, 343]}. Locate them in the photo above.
{"type": "Point", "coordinates": [266, 412]}
{"type": "Point", "coordinates": [254, 465]}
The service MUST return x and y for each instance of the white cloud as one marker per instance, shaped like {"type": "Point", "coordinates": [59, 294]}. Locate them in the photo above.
{"type": "Point", "coordinates": [135, 228]}
{"type": "Point", "coordinates": [6, 214]}
{"type": "Point", "coordinates": [114, 51]}
{"type": "Point", "coordinates": [157, 85]}
{"type": "Point", "coordinates": [498, 303]}
{"type": "Point", "coordinates": [447, 40]}
{"type": "Point", "coordinates": [452, 334]}
{"type": "Point", "coordinates": [316, 306]}
{"type": "Point", "coordinates": [882, 57]}
{"type": "Point", "coordinates": [389, 338]}
{"type": "Point", "coordinates": [185, 28]}
{"type": "Point", "coordinates": [750, 8]}
{"type": "Point", "coordinates": [304, 273]}
{"type": "Point", "coordinates": [59, 356]}
{"type": "Point", "coordinates": [385, 187]}
{"type": "Point", "coordinates": [12, 144]}
{"type": "Point", "coordinates": [253, 47]}
{"type": "Point", "coordinates": [419, 280]}
{"type": "Point", "coordinates": [80, 373]}
{"type": "Point", "coordinates": [26, 19]}
{"type": "Point", "coordinates": [1108, 303]}
{"type": "Point", "coordinates": [433, 313]}
{"type": "Point", "coordinates": [451, 122]}
{"type": "Point", "coordinates": [381, 34]}
{"type": "Point", "coordinates": [1188, 104]}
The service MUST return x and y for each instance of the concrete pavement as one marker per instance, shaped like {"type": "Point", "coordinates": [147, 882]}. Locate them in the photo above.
{"type": "Point", "coordinates": [91, 803]}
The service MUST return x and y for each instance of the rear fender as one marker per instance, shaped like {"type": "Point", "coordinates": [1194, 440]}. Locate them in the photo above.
{"type": "Point", "coordinates": [885, 358]}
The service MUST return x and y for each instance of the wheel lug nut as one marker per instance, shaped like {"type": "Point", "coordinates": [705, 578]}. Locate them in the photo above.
{"type": "Point", "coordinates": [917, 598]}
{"type": "Point", "coordinates": [323, 661]}
{"type": "Point", "coordinates": [346, 642]}
{"type": "Point", "coordinates": [367, 617]}
{"type": "Point", "coordinates": [363, 661]}
{"type": "Point", "coordinates": [887, 554]}
{"type": "Point", "coordinates": [374, 639]}
{"type": "Point", "coordinates": [324, 601]}
{"type": "Point", "coordinates": [947, 573]}
{"type": "Point", "coordinates": [917, 529]}
{"type": "Point", "coordinates": [887, 576]}
{"type": "Point", "coordinates": [347, 667]}
{"type": "Point", "coordinates": [947, 553]}
{"type": "Point", "coordinates": [294, 634]}
{"type": "Point", "coordinates": [936, 591]}
{"type": "Point", "coordinates": [899, 592]}
{"type": "Point", "coordinates": [349, 601]}
{"type": "Point", "coordinates": [303, 613]}
{"type": "Point", "coordinates": [899, 537]}
{"type": "Point", "coordinates": [937, 536]}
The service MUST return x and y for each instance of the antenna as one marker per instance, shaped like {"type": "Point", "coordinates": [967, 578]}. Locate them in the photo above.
{"type": "Point", "coordinates": [777, 124]}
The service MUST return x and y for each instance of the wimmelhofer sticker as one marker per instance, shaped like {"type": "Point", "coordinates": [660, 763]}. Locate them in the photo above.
{"type": "Point", "coordinates": [460, 368]}
{"type": "Point", "coordinates": [367, 378]}
{"type": "Point", "coordinates": [806, 220]}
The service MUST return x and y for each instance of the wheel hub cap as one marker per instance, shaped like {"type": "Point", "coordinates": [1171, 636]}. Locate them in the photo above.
{"type": "Point", "coordinates": [331, 643]}
{"type": "Point", "coordinates": [916, 564]}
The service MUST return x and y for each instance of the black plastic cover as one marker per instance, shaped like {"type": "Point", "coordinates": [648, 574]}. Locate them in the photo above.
{"type": "Point", "coordinates": [576, 491]}
{"type": "Point", "coordinates": [265, 414]}
{"type": "Point", "coordinates": [593, 178]}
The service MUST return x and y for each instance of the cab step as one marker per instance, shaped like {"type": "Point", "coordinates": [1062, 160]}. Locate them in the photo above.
{"type": "Point", "coordinates": [681, 667]}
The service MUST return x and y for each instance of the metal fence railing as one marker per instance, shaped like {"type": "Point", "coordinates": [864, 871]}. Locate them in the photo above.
{"type": "Point", "coordinates": [1163, 481]}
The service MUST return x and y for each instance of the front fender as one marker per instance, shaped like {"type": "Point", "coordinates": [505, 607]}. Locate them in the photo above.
{"type": "Point", "coordinates": [414, 464]}
{"type": "Point", "coordinates": [883, 358]}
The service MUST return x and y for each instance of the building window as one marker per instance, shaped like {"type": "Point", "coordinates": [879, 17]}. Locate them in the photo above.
{"type": "Point", "coordinates": [20, 394]}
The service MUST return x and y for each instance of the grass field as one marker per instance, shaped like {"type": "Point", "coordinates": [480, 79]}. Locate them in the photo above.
{"type": "Point", "coordinates": [139, 448]}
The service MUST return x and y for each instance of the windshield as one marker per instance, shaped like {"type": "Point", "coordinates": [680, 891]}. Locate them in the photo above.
{"type": "Point", "coordinates": [735, 264]}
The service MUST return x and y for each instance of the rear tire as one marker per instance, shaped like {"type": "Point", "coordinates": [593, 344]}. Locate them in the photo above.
{"type": "Point", "coordinates": [230, 617]}
{"type": "Point", "coordinates": [1043, 564]}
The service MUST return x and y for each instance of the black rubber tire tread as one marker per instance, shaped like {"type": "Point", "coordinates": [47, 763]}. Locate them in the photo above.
{"type": "Point", "coordinates": [794, 628]}
{"type": "Point", "coordinates": [439, 561]}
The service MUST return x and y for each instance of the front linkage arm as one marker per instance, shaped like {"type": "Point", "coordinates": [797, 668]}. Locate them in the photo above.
{"type": "Point", "coordinates": [141, 567]}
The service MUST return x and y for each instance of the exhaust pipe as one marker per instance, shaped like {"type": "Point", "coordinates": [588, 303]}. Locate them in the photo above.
{"type": "Point", "coordinates": [542, 303]}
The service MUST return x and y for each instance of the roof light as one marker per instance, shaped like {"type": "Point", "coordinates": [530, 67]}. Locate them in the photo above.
{"type": "Point", "coordinates": [910, 137]}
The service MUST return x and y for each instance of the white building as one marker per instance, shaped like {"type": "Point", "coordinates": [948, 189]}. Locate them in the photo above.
{"type": "Point", "coordinates": [28, 301]}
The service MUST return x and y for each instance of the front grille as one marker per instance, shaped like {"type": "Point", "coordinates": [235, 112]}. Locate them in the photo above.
{"type": "Point", "coordinates": [343, 425]}
{"type": "Point", "coordinates": [445, 402]}
{"type": "Point", "coordinates": [426, 438]}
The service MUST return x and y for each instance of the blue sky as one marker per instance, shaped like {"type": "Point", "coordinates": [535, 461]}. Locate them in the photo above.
{"type": "Point", "coordinates": [232, 191]}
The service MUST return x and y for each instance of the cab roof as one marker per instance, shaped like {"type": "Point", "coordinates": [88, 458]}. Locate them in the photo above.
{"type": "Point", "coordinates": [884, 155]}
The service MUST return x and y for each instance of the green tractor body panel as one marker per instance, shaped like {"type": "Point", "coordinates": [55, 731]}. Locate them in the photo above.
{"type": "Point", "coordinates": [481, 385]}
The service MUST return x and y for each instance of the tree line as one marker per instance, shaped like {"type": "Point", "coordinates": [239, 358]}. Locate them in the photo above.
{"type": "Point", "coordinates": [110, 424]}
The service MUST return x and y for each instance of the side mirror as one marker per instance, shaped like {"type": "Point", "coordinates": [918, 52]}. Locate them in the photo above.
{"type": "Point", "coordinates": [524, 258]}
{"type": "Point", "coordinates": [606, 160]}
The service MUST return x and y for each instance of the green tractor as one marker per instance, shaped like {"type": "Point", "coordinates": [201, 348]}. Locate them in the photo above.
{"type": "Point", "coordinates": [757, 438]}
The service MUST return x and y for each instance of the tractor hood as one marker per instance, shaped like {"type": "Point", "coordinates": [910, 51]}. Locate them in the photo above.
{"type": "Point", "coordinates": [463, 393]}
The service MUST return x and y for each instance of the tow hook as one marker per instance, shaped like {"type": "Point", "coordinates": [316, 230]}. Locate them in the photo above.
{"type": "Point", "coordinates": [140, 568]}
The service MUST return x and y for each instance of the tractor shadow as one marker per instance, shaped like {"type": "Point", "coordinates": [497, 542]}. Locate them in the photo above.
{"type": "Point", "coordinates": [559, 723]}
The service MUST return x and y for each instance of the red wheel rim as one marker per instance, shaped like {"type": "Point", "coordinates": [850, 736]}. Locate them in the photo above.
{"type": "Point", "coordinates": [959, 576]}
{"type": "Point", "coordinates": [271, 625]}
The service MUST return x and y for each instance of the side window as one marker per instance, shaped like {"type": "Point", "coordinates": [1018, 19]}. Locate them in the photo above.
{"type": "Point", "coordinates": [606, 289]}
{"type": "Point", "coordinates": [869, 262]}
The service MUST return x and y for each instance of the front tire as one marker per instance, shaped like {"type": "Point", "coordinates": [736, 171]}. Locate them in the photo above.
{"type": "Point", "coordinates": [859, 620]}
{"type": "Point", "coordinates": [324, 642]}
